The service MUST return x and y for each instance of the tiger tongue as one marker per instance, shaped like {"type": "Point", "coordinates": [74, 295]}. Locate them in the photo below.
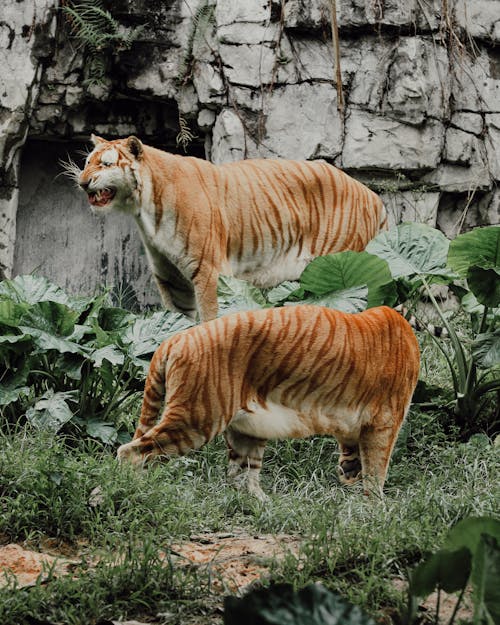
{"type": "Point", "coordinates": [100, 198]}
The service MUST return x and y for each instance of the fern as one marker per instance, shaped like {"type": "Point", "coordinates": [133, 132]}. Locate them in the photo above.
{"type": "Point", "coordinates": [185, 135]}
{"type": "Point", "coordinates": [98, 33]}
{"type": "Point", "coordinates": [203, 18]}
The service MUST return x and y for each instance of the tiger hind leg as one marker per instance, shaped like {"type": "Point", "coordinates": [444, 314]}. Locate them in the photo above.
{"type": "Point", "coordinates": [245, 461]}
{"type": "Point", "coordinates": [349, 467]}
{"type": "Point", "coordinates": [375, 447]}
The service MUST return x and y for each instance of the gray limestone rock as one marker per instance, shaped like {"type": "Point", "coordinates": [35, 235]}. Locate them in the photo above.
{"type": "Point", "coordinates": [376, 142]}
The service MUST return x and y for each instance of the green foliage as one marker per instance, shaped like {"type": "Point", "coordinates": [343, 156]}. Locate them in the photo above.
{"type": "Point", "coordinates": [472, 555]}
{"type": "Point", "coordinates": [281, 605]}
{"type": "Point", "coordinates": [72, 364]}
{"type": "Point", "coordinates": [412, 249]}
{"type": "Point", "coordinates": [98, 33]}
{"type": "Point", "coordinates": [421, 255]}
{"type": "Point", "coordinates": [203, 19]}
{"type": "Point", "coordinates": [346, 270]}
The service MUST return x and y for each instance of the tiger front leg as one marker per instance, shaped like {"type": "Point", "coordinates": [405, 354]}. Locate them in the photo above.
{"type": "Point", "coordinates": [167, 439]}
{"type": "Point", "coordinates": [245, 462]}
{"type": "Point", "coordinates": [205, 290]}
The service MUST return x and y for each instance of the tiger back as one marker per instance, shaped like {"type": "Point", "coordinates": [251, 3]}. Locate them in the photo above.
{"type": "Point", "coordinates": [261, 220]}
{"type": "Point", "coordinates": [288, 372]}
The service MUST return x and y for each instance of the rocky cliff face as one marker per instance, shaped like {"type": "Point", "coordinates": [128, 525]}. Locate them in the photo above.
{"type": "Point", "coordinates": [420, 122]}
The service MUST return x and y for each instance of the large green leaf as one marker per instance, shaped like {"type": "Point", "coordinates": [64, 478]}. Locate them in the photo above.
{"type": "Point", "coordinates": [283, 292]}
{"type": "Point", "coordinates": [480, 247]}
{"type": "Point", "coordinates": [113, 319]}
{"type": "Point", "coordinates": [486, 581]}
{"type": "Point", "coordinates": [11, 312]}
{"type": "Point", "coordinates": [105, 432]}
{"type": "Point", "coordinates": [351, 300]}
{"type": "Point", "coordinates": [51, 317]}
{"type": "Point", "coordinates": [236, 295]}
{"type": "Point", "coordinates": [346, 270]}
{"type": "Point", "coordinates": [485, 284]}
{"type": "Point", "coordinates": [281, 605]}
{"type": "Point", "coordinates": [448, 570]}
{"type": "Point", "coordinates": [11, 395]}
{"type": "Point", "coordinates": [412, 249]}
{"type": "Point", "coordinates": [486, 349]}
{"type": "Point", "coordinates": [111, 353]}
{"type": "Point", "coordinates": [467, 533]}
{"type": "Point", "coordinates": [51, 324]}
{"type": "Point", "coordinates": [147, 333]}
{"type": "Point", "coordinates": [33, 289]}
{"type": "Point", "coordinates": [51, 411]}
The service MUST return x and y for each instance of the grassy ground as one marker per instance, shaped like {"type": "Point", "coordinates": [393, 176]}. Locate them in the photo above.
{"type": "Point", "coordinates": [354, 545]}
{"type": "Point", "coordinates": [118, 520]}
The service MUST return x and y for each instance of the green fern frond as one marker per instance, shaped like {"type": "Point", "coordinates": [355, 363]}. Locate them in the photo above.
{"type": "Point", "coordinates": [98, 32]}
{"type": "Point", "coordinates": [203, 18]}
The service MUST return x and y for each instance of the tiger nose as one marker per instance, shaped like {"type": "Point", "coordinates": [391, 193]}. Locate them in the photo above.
{"type": "Point", "coordinates": [84, 182]}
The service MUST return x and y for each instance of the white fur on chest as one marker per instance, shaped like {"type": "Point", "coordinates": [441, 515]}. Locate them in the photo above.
{"type": "Point", "coordinates": [267, 269]}
{"type": "Point", "coordinates": [161, 239]}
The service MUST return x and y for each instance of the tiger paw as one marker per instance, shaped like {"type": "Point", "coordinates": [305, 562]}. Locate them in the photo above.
{"type": "Point", "coordinates": [349, 469]}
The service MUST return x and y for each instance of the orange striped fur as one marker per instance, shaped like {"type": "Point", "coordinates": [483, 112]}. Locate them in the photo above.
{"type": "Point", "coordinates": [260, 220]}
{"type": "Point", "coordinates": [276, 373]}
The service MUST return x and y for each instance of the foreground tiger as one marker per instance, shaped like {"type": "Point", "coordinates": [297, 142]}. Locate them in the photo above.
{"type": "Point", "coordinates": [259, 220]}
{"type": "Point", "coordinates": [278, 373]}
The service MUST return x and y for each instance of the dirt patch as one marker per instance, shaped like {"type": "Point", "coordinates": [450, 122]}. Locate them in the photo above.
{"type": "Point", "coordinates": [26, 566]}
{"type": "Point", "coordinates": [237, 559]}
{"type": "Point", "coordinates": [447, 603]}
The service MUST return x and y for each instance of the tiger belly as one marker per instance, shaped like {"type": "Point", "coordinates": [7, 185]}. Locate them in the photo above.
{"type": "Point", "coordinates": [267, 270]}
{"type": "Point", "coordinates": [276, 421]}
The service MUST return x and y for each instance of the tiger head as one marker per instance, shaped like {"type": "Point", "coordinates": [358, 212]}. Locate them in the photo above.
{"type": "Point", "coordinates": [111, 174]}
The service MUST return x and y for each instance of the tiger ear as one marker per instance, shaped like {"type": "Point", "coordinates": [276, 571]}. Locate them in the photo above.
{"type": "Point", "coordinates": [96, 140]}
{"type": "Point", "coordinates": [135, 147]}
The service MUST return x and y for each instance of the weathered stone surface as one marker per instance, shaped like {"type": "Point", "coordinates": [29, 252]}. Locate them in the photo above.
{"type": "Point", "coordinates": [228, 138]}
{"type": "Point", "coordinates": [412, 206]}
{"type": "Point", "coordinates": [375, 142]}
{"type": "Point", "coordinates": [418, 81]}
{"type": "Point", "coordinates": [470, 171]}
{"type": "Point", "coordinates": [476, 82]}
{"type": "Point", "coordinates": [286, 110]}
{"type": "Point", "coordinates": [256, 65]}
{"type": "Point", "coordinates": [25, 32]}
{"type": "Point", "coordinates": [469, 122]}
{"type": "Point", "coordinates": [364, 14]}
{"type": "Point", "coordinates": [459, 146]}
{"type": "Point", "coordinates": [228, 12]}
{"type": "Point", "coordinates": [459, 212]}
{"type": "Point", "coordinates": [492, 143]}
{"type": "Point", "coordinates": [480, 18]}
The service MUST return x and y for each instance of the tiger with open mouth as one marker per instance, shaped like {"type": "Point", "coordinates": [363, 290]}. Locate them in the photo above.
{"type": "Point", "coordinates": [261, 220]}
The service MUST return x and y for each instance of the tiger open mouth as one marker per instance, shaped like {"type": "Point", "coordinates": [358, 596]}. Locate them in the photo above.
{"type": "Point", "coordinates": [102, 196]}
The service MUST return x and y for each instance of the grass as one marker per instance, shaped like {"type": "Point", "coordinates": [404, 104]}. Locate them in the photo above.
{"type": "Point", "coordinates": [120, 519]}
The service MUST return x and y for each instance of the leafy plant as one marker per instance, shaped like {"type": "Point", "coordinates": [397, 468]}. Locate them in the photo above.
{"type": "Point", "coordinates": [471, 555]}
{"type": "Point", "coordinates": [419, 256]}
{"type": "Point", "coordinates": [281, 605]}
{"type": "Point", "coordinates": [98, 33]}
{"type": "Point", "coordinates": [203, 18]}
{"type": "Point", "coordinates": [73, 361]}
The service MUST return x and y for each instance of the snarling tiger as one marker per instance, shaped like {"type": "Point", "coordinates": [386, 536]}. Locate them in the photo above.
{"type": "Point", "coordinates": [259, 220]}
{"type": "Point", "coordinates": [294, 371]}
